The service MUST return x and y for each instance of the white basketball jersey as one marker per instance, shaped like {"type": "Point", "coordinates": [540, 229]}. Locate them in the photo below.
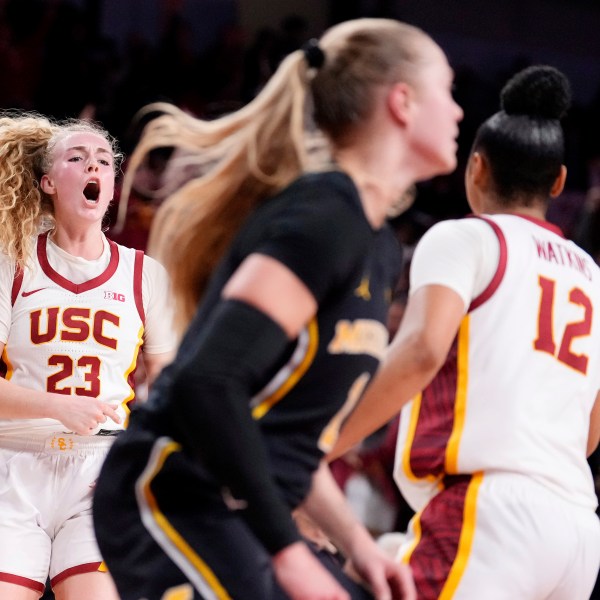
{"type": "Point", "coordinates": [520, 380]}
{"type": "Point", "coordinates": [76, 339]}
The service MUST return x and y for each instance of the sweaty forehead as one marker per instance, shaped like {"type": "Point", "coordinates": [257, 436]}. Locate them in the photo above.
{"type": "Point", "coordinates": [84, 140]}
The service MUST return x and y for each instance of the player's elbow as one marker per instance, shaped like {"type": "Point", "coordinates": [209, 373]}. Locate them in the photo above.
{"type": "Point", "coordinates": [427, 355]}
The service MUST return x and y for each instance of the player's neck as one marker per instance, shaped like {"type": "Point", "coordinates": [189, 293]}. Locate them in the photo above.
{"type": "Point", "coordinates": [377, 188]}
{"type": "Point", "coordinates": [536, 210]}
{"type": "Point", "coordinates": [87, 244]}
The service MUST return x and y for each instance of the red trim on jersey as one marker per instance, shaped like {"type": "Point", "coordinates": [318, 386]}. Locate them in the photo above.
{"type": "Point", "coordinates": [436, 419]}
{"type": "Point", "coordinates": [17, 283]}
{"type": "Point", "coordinates": [500, 270]}
{"type": "Point", "coordinates": [137, 283]}
{"type": "Point", "coordinates": [542, 223]}
{"type": "Point", "coordinates": [77, 570]}
{"type": "Point", "coordinates": [441, 522]}
{"type": "Point", "coordinates": [77, 288]}
{"type": "Point", "coordinates": [23, 582]}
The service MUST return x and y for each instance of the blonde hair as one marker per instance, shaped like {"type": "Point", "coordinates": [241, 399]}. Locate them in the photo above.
{"type": "Point", "coordinates": [27, 141]}
{"type": "Point", "coordinates": [256, 151]}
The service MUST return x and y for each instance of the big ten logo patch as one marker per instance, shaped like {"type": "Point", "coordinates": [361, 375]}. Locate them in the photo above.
{"type": "Point", "coordinates": [114, 296]}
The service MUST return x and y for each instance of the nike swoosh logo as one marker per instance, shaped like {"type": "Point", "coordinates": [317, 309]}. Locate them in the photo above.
{"type": "Point", "coordinates": [25, 294]}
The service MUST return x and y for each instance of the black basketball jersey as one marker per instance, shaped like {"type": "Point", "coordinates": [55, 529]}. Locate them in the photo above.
{"type": "Point", "coordinates": [318, 229]}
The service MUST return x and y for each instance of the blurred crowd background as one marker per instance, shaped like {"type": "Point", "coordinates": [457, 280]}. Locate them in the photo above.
{"type": "Point", "coordinates": [107, 58]}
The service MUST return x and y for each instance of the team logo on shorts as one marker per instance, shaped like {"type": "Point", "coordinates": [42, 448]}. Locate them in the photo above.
{"type": "Point", "coordinates": [60, 443]}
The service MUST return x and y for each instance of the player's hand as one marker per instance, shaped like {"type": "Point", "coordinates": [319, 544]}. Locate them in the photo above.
{"type": "Point", "coordinates": [386, 578]}
{"type": "Point", "coordinates": [82, 415]}
{"type": "Point", "coordinates": [303, 577]}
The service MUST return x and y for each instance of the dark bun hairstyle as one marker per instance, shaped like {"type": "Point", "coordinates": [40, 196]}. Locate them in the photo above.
{"type": "Point", "coordinates": [541, 91]}
{"type": "Point", "coordinates": [524, 142]}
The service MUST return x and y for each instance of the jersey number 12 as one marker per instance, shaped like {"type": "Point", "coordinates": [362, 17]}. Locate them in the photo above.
{"type": "Point", "coordinates": [545, 341]}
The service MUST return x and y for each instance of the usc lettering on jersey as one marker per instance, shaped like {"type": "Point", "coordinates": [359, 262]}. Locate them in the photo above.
{"type": "Point", "coordinates": [73, 339]}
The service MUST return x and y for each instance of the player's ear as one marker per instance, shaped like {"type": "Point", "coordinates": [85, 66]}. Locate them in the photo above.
{"type": "Point", "coordinates": [480, 171]}
{"type": "Point", "coordinates": [47, 185]}
{"type": "Point", "coordinates": [559, 182]}
{"type": "Point", "coordinates": [399, 101]}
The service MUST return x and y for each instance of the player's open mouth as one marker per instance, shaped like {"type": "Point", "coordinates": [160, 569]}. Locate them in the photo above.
{"type": "Point", "coordinates": [92, 190]}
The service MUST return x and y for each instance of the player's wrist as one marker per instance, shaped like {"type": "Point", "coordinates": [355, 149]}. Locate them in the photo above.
{"type": "Point", "coordinates": [52, 406]}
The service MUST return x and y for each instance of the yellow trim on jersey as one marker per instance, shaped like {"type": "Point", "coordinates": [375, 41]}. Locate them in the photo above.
{"type": "Point", "coordinates": [410, 438]}
{"type": "Point", "coordinates": [416, 526]}
{"type": "Point", "coordinates": [180, 592]}
{"type": "Point", "coordinates": [132, 366]}
{"type": "Point", "coordinates": [9, 367]}
{"type": "Point", "coordinates": [460, 401]}
{"type": "Point", "coordinates": [466, 539]}
{"type": "Point", "coordinates": [172, 534]}
{"type": "Point", "coordinates": [260, 410]}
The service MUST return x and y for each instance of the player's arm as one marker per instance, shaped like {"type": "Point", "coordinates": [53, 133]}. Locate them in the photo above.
{"type": "Point", "coordinates": [432, 318]}
{"type": "Point", "coordinates": [154, 363]}
{"type": "Point", "coordinates": [77, 413]}
{"type": "Point", "coordinates": [452, 264]}
{"type": "Point", "coordinates": [272, 288]}
{"type": "Point", "coordinates": [221, 362]}
{"type": "Point", "coordinates": [326, 505]}
{"type": "Point", "coordinates": [594, 433]}
{"type": "Point", "coordinates": [160, 340]}
{"type": "Point", "coordinates": [264, 306]}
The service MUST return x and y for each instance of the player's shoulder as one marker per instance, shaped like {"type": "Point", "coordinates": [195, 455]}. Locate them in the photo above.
{"type": "Point", "coordinates": [153, 268]}
{"type": "Point", "coordinates": [122, 248]}
{"type": "Point", "coordinates": [8, 270]}
{"type": "Point", "coordinates": [332, 180]}
{"type": "Point", "coordinates": [465, 228]}
{"type": "Point", "coordinates": [6, 262]}
{"type": "Point", "coordinates": [323, 206]}
{"type": "Point", "coordinates": [150, 266]}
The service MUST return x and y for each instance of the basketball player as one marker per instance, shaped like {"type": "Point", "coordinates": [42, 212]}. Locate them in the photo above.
{"type": "Point", "coordinates": [503, 316]}
{"type": "Point", "coordinates": [75, 310]}
{"type": "Point", "coordinates": [196, 496]}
